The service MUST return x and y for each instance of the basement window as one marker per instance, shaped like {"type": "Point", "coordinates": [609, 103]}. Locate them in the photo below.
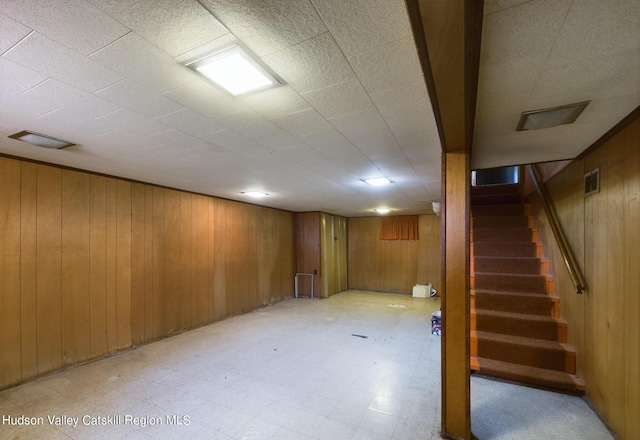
{"type": "Point", "coordinates": [495, 176]}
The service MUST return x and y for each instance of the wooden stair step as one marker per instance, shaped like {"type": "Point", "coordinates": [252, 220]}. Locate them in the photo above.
{"type": "Point", "coordinates": [505, 235]}
{"type": "Point", "coordinates": [518, 302]}
{"type": "Point", "coordinates": [525, 351]}
{"type": "Point", "coordinates": [540, 377]}
{"type": "Point", "coordinates": [509, 282]}
{"type": "Point", "coordinates": [502, 249]}
{"type": "Point", "coordinates": [519, 324]}
{"type": "Point", "coordinates": [515, 265]}
{"type": "Point", "coordinates": [500, 209]}
{"type": "Point", "coordinates": [500, 221]}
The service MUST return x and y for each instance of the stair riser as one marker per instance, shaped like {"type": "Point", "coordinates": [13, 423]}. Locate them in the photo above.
{"type": "Point", "coordinates": [529, 266]}
{"type": "Point", "coordinates": [517, 235]}
{"type": "Point", "coordinates": [494, 200]}
{"type": "Point", "coordinates": [510, 283]}
{"type": "Point", "coordinates": [559, 360]}
{"type": "Point", "coordinates": [517, 304]}
{"type": "Point", "coordinates": [504, 250]}
{"type": "Point", "coordinates": [500, 221]}
{"type": "Point", "coordinates": [515, 209]}
{"type": "Point", "coordinates": [520, 326]}
{"type": "Point", "coordinates": [554, 380]}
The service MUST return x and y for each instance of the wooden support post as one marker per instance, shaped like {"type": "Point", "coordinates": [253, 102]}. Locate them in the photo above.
{"type": "Point", "coordinates": [456, 417]}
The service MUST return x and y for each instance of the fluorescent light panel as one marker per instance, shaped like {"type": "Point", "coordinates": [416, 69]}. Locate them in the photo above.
{"type": "Point", "coordinates": [255, 194]}
{"type": "Point", "coordinates": [378, 181]}
{"type": "Point", "coordinates": [40, 140]}
{"type": "Point", "coordinates": [551, 117]}
{"type": "Point", "coordinates": [235, 71]}
{"type": "Point", "coordinates": [382, 210]}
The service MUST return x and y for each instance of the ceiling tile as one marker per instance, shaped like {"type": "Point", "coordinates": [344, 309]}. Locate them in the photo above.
{"type": "Point", "coordinates": [583, 80]}
{"type": "Point", "coordinates": [128, 120]}
{"type": "Point", "coordinates": [276, 102]}
{"type": "Point", "coordinates": [395, 64]}
{"type": "Point", "coordinates": [128, 94]}
{"type": "Point", "coordinates": [304, 123]}
{"type": "Point", "coordinates": [183, 142]}
{"type": "Point", "coordinates": [253, 126]}
{"type": "Point", "coordinates": [11, 32]}
{"type": "Point", "coordinates": [18, 78]}
{"type": "Point", "coordinates": [329, 140]}
{"type": "Point", "coordinates": [532, 28]}
{"type": "Point", "coordinates": [594, 29]}
{"type": "Point", "coordinates": [266, 27]}
{"type": "Point", "coordinates": [232, 141]}
{"type": "Point", "coordinates": [56, 94]}
{"type": "Point", "coordinates": [174, 26]}
{"type": "Point", "coordinates": [401, 100]}
{"type": "Point", "coordinates": [493, 6]}
{"type": "Point", "coordinates": [44, 55]}
{"type": "Point", "coordinates": [134, 57]}
{"type": "Point", "coordinates": [340, 99]}
{"type": "Point", "coordinates": [312, 64]}
{"type": "Point", "coordinates": [360, 25]}
{"type": "Point", "coordinates": [188, 121]}
{"type": "Point", "coordinates": [206, 99]}
{"type": "Point", "coordinates": [416, 123]}
{"type": "Point", "coordinates": [75, 24]}
{"type": "Point", "coordinates": [17, 106]}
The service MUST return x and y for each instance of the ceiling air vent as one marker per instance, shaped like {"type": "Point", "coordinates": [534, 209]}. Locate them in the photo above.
{"type": "Point", "coordinates": [40, 140]}
{"type": "Point", "coordinates": [550, 117]}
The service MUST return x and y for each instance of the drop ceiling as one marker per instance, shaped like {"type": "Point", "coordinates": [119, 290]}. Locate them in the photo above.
{"type": "Point", "coordinates": [109, 76]}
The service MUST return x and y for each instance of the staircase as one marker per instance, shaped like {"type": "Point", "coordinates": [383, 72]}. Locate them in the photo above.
{"type": "Point", "coordinates": [516, 329]}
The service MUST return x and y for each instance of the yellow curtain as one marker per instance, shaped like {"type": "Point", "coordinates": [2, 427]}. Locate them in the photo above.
{"type": "Point", "coordinates": [400, 227]}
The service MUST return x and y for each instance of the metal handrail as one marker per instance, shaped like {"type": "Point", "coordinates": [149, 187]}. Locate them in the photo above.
{"type": "Point", "coordinates": [565, 248]}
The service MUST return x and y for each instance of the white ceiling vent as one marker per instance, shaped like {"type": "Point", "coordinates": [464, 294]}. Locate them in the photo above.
{"type": "Point", "coordinates": [40, 140]}
{"type": "Point", "coordinates": [550, 117]}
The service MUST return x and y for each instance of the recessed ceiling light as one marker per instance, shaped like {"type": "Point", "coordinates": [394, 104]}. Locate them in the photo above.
{"type": "Point", "coordinates": [255, 194]}
{"type": "Point", "coordinates": [40, 140]}
{"type": "Point", "coordinates": [550, 117]}
{"type": "Point", "coordinates": [235, 71]}
{"type": "Point", "coordinates": [378, 181]}
{"type": "Point", "coordinates": [382, 210]}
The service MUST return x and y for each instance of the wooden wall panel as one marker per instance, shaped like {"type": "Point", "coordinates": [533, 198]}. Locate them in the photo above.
{"type": "Point", "coordinates": [148, 264]}
{"type": "Point", "coordinates": [392, 265]}
{"type": "Point", "coordinates": [49, 261]}
{"type": "Point", "coordinates": [186, 272]}
{"type": "Point", "coordinates": [28, 269]}
{"type": "Point", "coordinates": [11, 358]}
{"type": "Point", "coordinates": [76, 334]}
{"type": "Point", "coordinates": [202, 260]}
{"type": "Point", "coordinates": [111, 255]}
{"type": "Point", "coordinates": [123, 264]}
{"type": "Point", "coordinates": [172, 266]}
{"type": "Point", "coordinates": [137, 263]}
{"type": "Point", "coordinates": [97, 265]}
{"type": "Point", "coordinates": [220, 307]}
{"type": "Point", "coordinates": [308, 251]}
{"type": "Point", "coordinates": [604, 230]}
{"type": "Point", "coordinates": [91, 265]}
{"type": "Point", "coordinates": [631, 282]}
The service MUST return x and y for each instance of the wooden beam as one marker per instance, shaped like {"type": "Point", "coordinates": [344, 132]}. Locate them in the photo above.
{"type": "Point", "coordinates": [448, 35]}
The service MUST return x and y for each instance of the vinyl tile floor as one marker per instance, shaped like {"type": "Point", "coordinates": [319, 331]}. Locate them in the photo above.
{"type": "Point", "coordinates": [359, 365]}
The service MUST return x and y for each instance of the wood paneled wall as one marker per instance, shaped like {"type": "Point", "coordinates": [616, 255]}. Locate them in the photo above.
{"type": "Point", "coordinates": [90, 265]}
{"type": "Point", "coordinates": [392, 265]}
{"type": "Point", "coordinates": [604, 231]}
